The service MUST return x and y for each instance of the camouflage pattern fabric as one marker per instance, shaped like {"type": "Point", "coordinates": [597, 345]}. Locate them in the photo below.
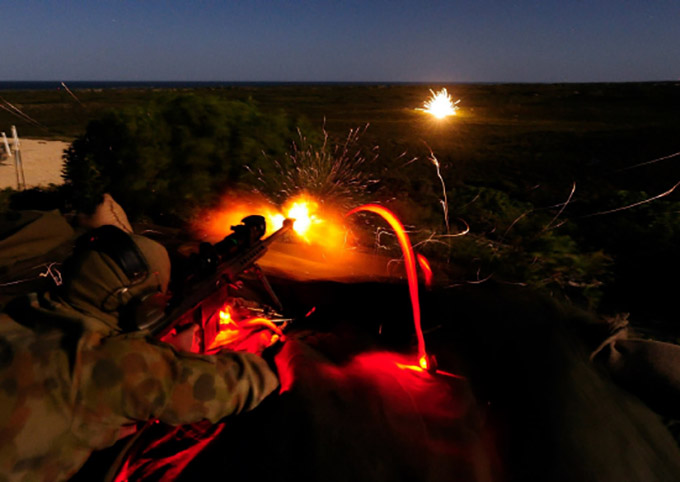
{"type": "Point", "coordinates": [65, 392]}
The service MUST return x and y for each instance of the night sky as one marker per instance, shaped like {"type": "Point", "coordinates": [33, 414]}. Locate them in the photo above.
{"type": "Point", "coordinates": [373, 41]}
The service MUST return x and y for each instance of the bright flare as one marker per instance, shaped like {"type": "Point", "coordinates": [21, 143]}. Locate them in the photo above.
{"type": "Point", "coordinates": [440, 105]}
{"type": "Point", "coordinates": [324, 229]}
{"type": "Point", "coordinates": [303, 211]}
{"type": "Point", "coordinates": [318, 225]}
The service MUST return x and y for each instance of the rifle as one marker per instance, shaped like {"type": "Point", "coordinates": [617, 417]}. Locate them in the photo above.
{"type": "Point", "coordinates": [212, 270]}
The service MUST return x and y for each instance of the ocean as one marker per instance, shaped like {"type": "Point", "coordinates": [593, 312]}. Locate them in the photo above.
{"type": "Point", "coordinates": [116, 84]}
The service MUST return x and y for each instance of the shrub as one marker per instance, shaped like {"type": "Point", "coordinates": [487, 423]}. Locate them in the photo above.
{"type": "Point", "coordinates": [513, 241]}
{"type": "Point", "coordinates": [164, 160]}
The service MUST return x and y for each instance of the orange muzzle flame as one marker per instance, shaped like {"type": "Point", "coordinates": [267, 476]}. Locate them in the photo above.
{"type": "Point", "coordinates": [410, 263]}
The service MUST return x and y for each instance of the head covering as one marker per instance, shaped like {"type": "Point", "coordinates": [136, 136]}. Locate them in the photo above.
{"type": "Point", "coordinates": [96, 285]}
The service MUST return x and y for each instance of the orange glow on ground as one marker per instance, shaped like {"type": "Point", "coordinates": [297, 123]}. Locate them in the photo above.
{"type": "Point", "coordinates": [440, 105]}
{"type": "Point", "coordinates": [409, 262]}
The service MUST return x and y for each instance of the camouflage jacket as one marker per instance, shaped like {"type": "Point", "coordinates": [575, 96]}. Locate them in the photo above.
{"type": "Point", "coordinates": [66, 390]}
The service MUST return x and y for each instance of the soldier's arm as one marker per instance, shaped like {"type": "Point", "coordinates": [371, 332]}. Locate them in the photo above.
{"type": "Point", "coordinates": [138, 379]}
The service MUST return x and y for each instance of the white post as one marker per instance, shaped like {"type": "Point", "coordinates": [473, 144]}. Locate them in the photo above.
{"type": "Point", "coordinates": [21, 184]}
{"type": "Point", "coordinates": [7, 149]}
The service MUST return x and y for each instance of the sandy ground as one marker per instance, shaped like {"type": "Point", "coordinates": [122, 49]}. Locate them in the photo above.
{"type": "Point", "coordinates": [41, 159]}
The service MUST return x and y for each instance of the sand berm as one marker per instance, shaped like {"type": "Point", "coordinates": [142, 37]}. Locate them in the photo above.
{"type": "Point", "coordinates": [42, 162]}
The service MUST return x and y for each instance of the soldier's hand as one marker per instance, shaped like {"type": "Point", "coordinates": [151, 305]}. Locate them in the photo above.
{"type": "Point", "coordinates": [184, 339]}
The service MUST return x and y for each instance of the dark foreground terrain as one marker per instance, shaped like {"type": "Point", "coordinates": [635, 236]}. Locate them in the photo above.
{"type": "Point", "coordinates": [525, 404]}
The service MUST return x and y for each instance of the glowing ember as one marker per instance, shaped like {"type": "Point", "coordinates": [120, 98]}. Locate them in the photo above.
{"type": "Point", "coordinates": [425, 267]}
{"type": "Point", "coordinates": [410, 264]}
{"type": "Point", "coordinates": [225, 317]}
{"type": "Point", "coordinates": [229, 330]}
{"type": "Point", "coordinates": [440, 105]}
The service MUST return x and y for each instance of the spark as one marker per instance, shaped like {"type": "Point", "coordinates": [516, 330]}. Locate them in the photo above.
{"type": "Point", "coordinates": [639, 203]}
{"type": "Point", "coordinates": [478, 281]}
{"type": "Point", "coordinates": [333, 172]}
{"type": "Point", "coordinates": [445, 201]}
{"type": "Point", "coordinates": [411, 161]}
{"type": "Point", "coordinates": [564, 205]}
{"type": "Point", "coordinates": [440, 105]}
{"type": "Point", "coordinates": [410, 265]}
{"type": "Point", "coordinates": [512, 225]}
{"type": "Point", "coordinates": [653, 161]}
{"type": "Point", "coordinates": [71, 94]}
{"type": "Point", "coordinates": [426, 268]}
{"type": "Point", "coordinates": [21, 114]}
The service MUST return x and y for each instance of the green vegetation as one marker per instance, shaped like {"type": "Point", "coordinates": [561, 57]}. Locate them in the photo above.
{"type": "Point", "coordinates": [509, 161]}
{"type": "Point", "coordinates": [164, 159]}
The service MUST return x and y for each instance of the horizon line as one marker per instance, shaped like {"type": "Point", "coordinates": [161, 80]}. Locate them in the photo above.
{"type": "Point", "coordinates": [349, 82]}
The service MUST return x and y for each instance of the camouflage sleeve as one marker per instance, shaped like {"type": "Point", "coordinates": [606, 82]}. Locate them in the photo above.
{"type": "Point", "coordinates": [134, 378]}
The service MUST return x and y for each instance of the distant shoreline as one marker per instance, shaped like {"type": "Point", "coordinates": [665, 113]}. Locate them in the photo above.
{"type": "Point", "coordinates": [117, 84]}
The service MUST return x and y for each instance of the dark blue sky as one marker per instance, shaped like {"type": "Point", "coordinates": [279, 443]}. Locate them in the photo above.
{"type": "Point", "coordinates": [435, 41]}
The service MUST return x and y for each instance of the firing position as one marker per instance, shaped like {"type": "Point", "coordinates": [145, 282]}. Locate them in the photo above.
{"type": "Point", "coordinates": [72, 380]}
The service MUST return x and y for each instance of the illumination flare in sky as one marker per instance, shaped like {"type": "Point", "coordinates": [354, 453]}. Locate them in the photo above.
{"type": "Point", "coordinates": [440, 105]}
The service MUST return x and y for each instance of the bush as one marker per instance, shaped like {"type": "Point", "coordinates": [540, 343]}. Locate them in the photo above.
{"type": "Point", "coordinates": [5, 195]}
{"type": "Point", "coordinates": [164, 160]}
{"type": "Point", "coordinates": [514, 242]}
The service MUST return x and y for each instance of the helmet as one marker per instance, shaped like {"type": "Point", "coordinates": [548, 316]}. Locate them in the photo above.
{"type": "Point", "coordinates": [111, 271]}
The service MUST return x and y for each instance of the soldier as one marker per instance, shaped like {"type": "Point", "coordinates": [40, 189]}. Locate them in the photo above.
{"type": "Point", "coordinates": [73, 381]}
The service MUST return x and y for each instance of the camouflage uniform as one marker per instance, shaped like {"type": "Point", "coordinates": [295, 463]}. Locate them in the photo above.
{"type": "Point", "coordinates": [71, 383]}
